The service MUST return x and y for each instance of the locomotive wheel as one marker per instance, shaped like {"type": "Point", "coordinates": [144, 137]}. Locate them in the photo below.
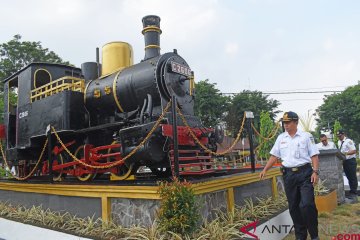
{"type": "Point", "coordinates": [79, 153]}
{"type": "Point", "coordinates": [124, 172]}
{"type": "Point", "coordinates": [58, 176]}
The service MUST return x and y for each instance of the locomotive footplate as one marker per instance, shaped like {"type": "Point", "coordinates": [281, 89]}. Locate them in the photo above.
{"type": "Point", "coordinates": [193, 162]}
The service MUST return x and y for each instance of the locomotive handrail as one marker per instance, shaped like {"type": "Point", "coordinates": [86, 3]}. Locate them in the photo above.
{"type": "Point", "coordinates": [121, 161]}
{"type": "Point", "coordinates": [64, 83]}
{"type": "Point", "coordinates": [202, 145]}
{"type": "Point", "coordinates": [32, 171]}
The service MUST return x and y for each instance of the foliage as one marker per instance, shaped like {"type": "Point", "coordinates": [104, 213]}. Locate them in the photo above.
{"type": "Point", "coordinates": [337, 127]}
{"type": "Point", "coordinates": [307, 122]}
{"type": "Point", "coordinates": [16, 54]}
{"type": "Point", "coordinates": [12, 100]}
{"type": "Point", "coordinates": [225, 225]}
{"type": "Point", "coordinates": [63, 221]}
{"type": "Point", "coordinates": [343, 107]}
{"type": "Point", "coordinates": [209, 103]}
{"type": "Point", "coordinates": [3, 172]}
{"type": "Point", "coordinates": [179, 208]}
{"type": "Point", "coordinates": [247, 100]}
{"type": "Point", "coordinates": [320, 189]}
{"type": "Point", "coordinates": [267, 128]}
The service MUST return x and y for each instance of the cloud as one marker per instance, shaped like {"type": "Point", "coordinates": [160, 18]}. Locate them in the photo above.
{"type": "Point", "coordinates": [231, 48]}
{"type": "Point", "coordinates": [268, 45]}
{"type": "Point", "coordinates": [328, 44]}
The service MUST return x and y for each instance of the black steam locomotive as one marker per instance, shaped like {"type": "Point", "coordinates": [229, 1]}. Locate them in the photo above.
{"type": "Point", "coordinates": [103, 117]}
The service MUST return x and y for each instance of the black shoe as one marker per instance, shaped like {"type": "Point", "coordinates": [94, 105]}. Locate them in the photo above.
{"type": "Point", "coordinates": [351, 200]}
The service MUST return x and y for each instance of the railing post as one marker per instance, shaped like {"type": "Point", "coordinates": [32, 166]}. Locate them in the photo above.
{"type": "Point", "coordinates": [275, 192]}
{"type": "Point", "coordinates": [175, 137]}
{"type": "Point", "coordinates": [50, 159]}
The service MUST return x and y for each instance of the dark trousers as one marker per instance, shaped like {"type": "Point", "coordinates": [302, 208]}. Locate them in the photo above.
{"type": "Point", "coordinates": [300, 195]}
{"type": "Point", "coordinates": [350, 172]}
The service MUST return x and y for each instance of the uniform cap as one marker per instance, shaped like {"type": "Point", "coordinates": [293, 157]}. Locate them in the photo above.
{"type": "Point", "coordinates": [290, 116]}
{"type": "Point", "coordinates": [339, 132]}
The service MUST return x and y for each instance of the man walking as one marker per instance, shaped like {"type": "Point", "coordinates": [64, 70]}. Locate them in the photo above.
{"type": "Point", "coordinates": [347, 147]}
{"type": "Point", "coordinates": [298, 151]}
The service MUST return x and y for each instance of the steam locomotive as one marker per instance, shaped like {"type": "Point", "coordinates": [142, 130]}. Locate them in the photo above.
{"type": "Point", "coordinates": [97, 118]}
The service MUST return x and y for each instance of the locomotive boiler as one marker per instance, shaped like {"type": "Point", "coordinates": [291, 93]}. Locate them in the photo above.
{"type": "Point", "coordinates": [109, 118]}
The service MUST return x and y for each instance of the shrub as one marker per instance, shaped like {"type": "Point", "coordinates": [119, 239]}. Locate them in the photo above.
{"type": "Point", "coordinates": [320, 189]}
{"type": "Point", "coordinates": [3, 172]}
{"type": "Point", "coordinates": [179, 209]}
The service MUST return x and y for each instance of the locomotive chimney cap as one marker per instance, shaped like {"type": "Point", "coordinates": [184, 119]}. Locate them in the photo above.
{"type": "Point", "coordinates": [151, 20]}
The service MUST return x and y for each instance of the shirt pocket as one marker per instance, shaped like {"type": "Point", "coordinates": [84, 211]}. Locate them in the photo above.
{"type": "Point", "coordinates": [303, 150]}
{"type": "Point", "coordinates": [284, 149]}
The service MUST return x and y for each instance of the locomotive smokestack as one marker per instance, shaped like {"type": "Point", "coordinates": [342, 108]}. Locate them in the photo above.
{"type": "Point", "coordinates": [151, 31]}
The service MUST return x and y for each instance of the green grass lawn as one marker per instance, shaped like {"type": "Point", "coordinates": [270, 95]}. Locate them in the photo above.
{"type": "Point", "coordinates": [342, 223]}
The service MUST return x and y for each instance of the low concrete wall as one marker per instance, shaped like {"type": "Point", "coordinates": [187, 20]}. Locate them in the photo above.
{"type": "Point", "coordinates": [331, 170]}
{"type": "Point", "coordinates": [128, 212]}
{"type": "Point", "coordinates": [213, 202]}
{"type": "Point", "coordinates": [79, 206]}
{"type": "Point", "coordinates": [252, 191]}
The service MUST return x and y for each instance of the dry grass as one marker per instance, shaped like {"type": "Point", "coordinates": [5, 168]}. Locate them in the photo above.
{"type": "Point", "coordinates": [344, 219]}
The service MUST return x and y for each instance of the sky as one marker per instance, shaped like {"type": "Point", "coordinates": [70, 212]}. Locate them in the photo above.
{"type": "Point", "coordinates": [266, 45]}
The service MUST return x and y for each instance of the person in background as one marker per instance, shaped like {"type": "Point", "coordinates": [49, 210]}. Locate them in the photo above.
{"type": "Point", "coordinates": [347, 147]}
{"type": "Point", "coordinates": [300, 168]}
{"type": "Point", "coordinates": [324, 144]}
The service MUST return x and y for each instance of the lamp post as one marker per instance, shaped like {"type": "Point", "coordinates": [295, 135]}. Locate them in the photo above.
{"type": "Point", "coordinates": [249, 116]}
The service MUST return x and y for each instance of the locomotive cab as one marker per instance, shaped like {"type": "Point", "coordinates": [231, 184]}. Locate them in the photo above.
{"type": "Point", "coordinates": [36, 96]}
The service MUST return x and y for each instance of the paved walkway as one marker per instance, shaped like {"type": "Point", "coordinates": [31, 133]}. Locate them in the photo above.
{"type": "Point", "coordinates": [10, 230]}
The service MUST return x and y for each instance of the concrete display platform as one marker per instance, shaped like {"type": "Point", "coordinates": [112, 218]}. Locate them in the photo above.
{"type": "Point", "coordinates": [129, 205]}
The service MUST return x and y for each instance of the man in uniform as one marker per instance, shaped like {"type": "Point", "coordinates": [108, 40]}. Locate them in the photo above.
{"type": "Point", "coordinates": [298, 152]}
{"type": "Point", "coordinates": [347, 147]}
{"type": "Point", "coordinates": [325, 144]}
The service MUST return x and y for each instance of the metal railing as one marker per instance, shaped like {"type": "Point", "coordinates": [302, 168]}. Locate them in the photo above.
{"type": "Point", "coordinates": [59, 85]}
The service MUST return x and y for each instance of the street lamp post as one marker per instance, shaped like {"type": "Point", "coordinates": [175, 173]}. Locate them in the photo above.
{"type": "Point", "coordinates": [249, 116]}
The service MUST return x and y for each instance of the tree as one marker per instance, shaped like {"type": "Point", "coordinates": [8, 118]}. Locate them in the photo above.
{"type": "Point", "coordinates": [16, 54]}
{"type": "Point", "coordinates": [210, 104]}
{"type": "Point", "coordinates": [337, 127]}
{"type": "Point", "coordinates": [343, 107]}
{"type": "Point", "coordinates": [247, 100]}
{"type": "Point", "coordinates": [267, 130]}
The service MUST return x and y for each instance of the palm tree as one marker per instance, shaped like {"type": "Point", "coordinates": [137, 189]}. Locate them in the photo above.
{"type": "Point", "coordinates": [307, 122]}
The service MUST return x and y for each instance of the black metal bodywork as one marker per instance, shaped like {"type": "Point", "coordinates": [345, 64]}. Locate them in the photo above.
{"type": "Point", "coordinates": [122, 106]}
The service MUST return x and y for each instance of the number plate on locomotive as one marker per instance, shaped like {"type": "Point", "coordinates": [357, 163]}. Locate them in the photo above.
{"type": "Point", "coordinates": [181, 69]}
